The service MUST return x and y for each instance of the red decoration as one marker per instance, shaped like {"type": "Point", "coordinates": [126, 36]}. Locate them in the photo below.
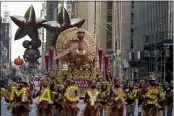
{"type": "Point", "coordinates": [19, 61]}
{"type": "Point", "coordinates": [106, 58]}
{"type": "Point", "coordinates": [47, 62]}
{"type": "Point", "coordinates": [100, 54]}
{"type": "Point", "coordinates": [51, 53]}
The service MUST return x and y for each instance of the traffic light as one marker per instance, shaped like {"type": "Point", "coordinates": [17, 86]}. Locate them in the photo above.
{"type": "Point", "coordinates": [167, 52]}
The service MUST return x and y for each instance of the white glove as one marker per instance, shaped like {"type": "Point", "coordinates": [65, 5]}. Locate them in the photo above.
{"type": "Point", "coordinates": [116, 98]}
{"type": "Point", "coordinates": [51, 102]}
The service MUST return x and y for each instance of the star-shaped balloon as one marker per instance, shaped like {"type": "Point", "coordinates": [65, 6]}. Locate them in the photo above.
{"type": "Point", "coordinates": [28, 24]}
{"type": "Point", "coordinates": [63, 22]}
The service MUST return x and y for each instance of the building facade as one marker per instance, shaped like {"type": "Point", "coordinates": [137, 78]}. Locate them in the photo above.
{"type": "Point", "coordinates": [42, 36]}
{"type": "Point", "coordinates": [151, 36]}
{"type": "Point", "coordinates": [50, 8]}
{"type": "Point", "coordinates": [110, 24]}
{"type": "Point", "coordinates": [6, 32]}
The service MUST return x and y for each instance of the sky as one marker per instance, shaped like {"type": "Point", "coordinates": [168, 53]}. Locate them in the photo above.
{"type": "Point", "coordinates": [19, 8]}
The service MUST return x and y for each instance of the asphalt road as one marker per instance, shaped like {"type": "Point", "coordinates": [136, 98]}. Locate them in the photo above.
{"type": "Point", "coordinates": [5, 112]}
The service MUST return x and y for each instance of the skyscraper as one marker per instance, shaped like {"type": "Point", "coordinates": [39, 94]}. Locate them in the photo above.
{"type": "Point", "coordinates": [50, 6]}
{"type": "Point", "coordinates": [42, 36]}
{"type": "Point", "coordinates": [110, 22]}
{"type": "Point", "coordinates": [6, 32]}
{"type": "Point", "coordinates": [152, 34]}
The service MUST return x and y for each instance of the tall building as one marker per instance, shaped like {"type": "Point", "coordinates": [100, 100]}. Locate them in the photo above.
{"type": "Point", "coordinates": [6, 32]}
{"type": "Point", "coordinates": [110, 23]}
{"type": "Point", "coordinates": [50, 7]}
{"type": "Point", "coordinates": [70, 7]}
{"type": "Point", "coordinates": [152, 35]}
{"type": "Point", "coordinates": [85, 10]}
{"type": "Point", "coordinates": [5, 39]}
{"type": "Point", "coordinates": [42, 36]}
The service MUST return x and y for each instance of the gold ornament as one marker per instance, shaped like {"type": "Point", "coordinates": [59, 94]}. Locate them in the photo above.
{"type": "Point", "coordinates": [3, 92]}
{"type": "Point", "coordinates": [21, 93]}
{"type": "Point", "coordinates": [133, 94]}
{"type": "Point", "coordinates": [153, 96]}
{"type": "Point", "coordinates": [121, 94]}
{"type": "Point", "coordinates": [93, 97]}
{"type": "Point", "coordinates": [69, 96]}
{"type": "Point", "coordinates": [45, 96]}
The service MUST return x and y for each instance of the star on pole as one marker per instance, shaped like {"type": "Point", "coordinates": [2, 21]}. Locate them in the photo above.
{"type": "Point", "coordinates": [28, 24]}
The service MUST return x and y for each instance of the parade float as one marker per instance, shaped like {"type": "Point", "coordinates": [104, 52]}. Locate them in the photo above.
{"type": "Point", "coordinates": [75, 50]}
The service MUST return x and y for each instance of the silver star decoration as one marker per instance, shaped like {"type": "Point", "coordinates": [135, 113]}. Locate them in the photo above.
{"type": "Point", "coordinates": [28, 24]}
{"type": "Point", "coordinates": [63, 22]}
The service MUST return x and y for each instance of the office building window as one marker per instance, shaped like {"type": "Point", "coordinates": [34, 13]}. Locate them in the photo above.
{"type": "Point", "coordinates": [132, 4]}
{"type": "Point", "coordinates": [132, 18]}
{"type": "Point", "coordinates": [109, 18]}
{"type": "Point", "coordinates": [118, 43]}
{"type": "Point", "coordinates": [109, 42]}
{"type": "Point", "coordinates": [109, 4]}
{"type": "Point", "coordinates": [109, 12]}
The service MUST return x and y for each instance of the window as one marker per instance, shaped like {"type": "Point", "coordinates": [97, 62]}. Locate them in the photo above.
{"type": "Point", "coordinates": [109, 45]}
{"type": "Point", "coordinates": [146, 38]}
{"type": "Point", "coordinates": [109, 4]}
{"type": "Point", "coordinates": [132, 44]}
{"type": "Point", "coordinates": [109, 12]}
{"type": "Point", "coordinates": [109, 42]}
{"type": "Point", "coordinates": [109, 18]}
{"type": "Point", "coordinates": [132, 18]}
{"type": "Point", "coordinates": [131, 40]}
{"type": "Point", "coordinates": [132, 30]}
{"type": "Point", "coordinates": [132, 4]}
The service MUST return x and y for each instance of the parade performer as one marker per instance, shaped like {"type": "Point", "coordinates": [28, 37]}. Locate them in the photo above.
{"type": "Point", "coordinates": [153, 96]}
{"type": "Point", "coordinates": [71, 100]}
{"type": "Point", "coordinates": [21, 98]}
{"type": "Point", "coordinates": [141, 96]}
{"type": "Point", "coordinates": [44, 104]}
{"type": "Point", "coordinates": [169, 99]}
{"type": "Point", "coordinates": [116, 100]}
{"type": "Point", "coordinates": [58, 100]}
{"type": "Point", "coordinates": [162, 102]}
{"type": "Point", "coordinates": [103, 98]}
{"type": "Point", "coordinates": [91, 100]}
{"type": "Point", "coordinates": [131, 96]}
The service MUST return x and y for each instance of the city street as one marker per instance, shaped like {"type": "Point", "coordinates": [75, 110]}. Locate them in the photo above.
{"type": "Point", "coordinates": [5, 112]}
{"type": "Point", "coordinates": [107, 52]}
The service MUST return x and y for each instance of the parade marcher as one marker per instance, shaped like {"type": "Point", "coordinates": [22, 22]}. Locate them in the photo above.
{"type": "Point", "coordinates": [22, 98]}
{"type": "Point", "coordinates": [70, 105]}
{"type": "Point", "coordinates": [153, 96]}
{"type": "Point", "coordinates": [169, 99]}
{"type": "Point", "coordinates": [92, 104]}
{"type": "Point", "coordinates": [162, 103]}
{"type": "Point", "coordinates": [103, 98]}
{"type": "Point", "coordinates": [58, 98]}
{"type": "Point", "coordinates": [116, 100]}
{"type": "Point", "coordinates": [131, 96]}
{"type": "Point", "coordinates": [141, 96]}
{"type": "Point", "coordinates": [44, 107]}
